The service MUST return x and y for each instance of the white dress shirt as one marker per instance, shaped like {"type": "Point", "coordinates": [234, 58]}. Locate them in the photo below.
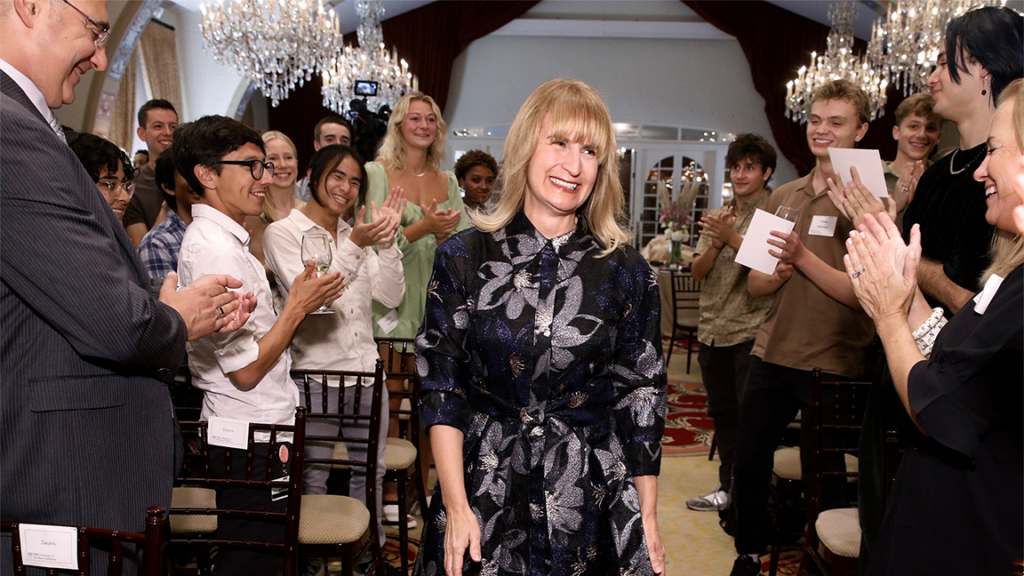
{"type": "Point", "coordinates": [216, 244]}
{"type": "Point", "coordinates": [35, 95]}
{"type": "Point", "coordinates": [343, 340]}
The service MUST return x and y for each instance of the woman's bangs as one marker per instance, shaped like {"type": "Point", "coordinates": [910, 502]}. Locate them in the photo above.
{"type": "Point", "coordinates": [583, 123]}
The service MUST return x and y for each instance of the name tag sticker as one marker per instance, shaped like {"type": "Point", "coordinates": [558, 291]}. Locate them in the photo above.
{"type": "Point", "coordinates": [984, 298]}
{"type": "Point", "coordinates": [388, 322]}
{"type": "Point", "coordinates": [49, 546]}
{"type": "Point", "coordinates": [228, 433]}
{"type": "Point", "coordinates": [823, 226]}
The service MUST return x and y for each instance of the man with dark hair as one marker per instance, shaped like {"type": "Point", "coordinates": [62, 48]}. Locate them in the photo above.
{"type": "Point", "coordinates": [244, 375]}
{"type": "Point", "coordinates": [157, 121]}
{"type": "Point", "coordinates": [729, 316]}
{"type": "Point", "coordinates": [815, 321]}
{"type": "Point", "coordinates": [140, 159]}
{"type": "Point", "coordinates": [329, 130]}
{"type": "Point", "coordinates": [88, 428]}
{"type": "Point", "coordinates": [159, 249]}
{"type": "Point", "coordinates": [984, 52]}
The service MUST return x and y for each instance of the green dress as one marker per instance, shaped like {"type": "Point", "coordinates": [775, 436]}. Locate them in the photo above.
{"type": "Point", "coordinates": [417, 257]}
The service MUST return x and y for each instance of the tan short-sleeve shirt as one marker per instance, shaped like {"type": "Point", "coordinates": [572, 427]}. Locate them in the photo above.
{"type": "Point", "coordinates": [805, 327]}
{"type": "Point", "coordinates": [728, 314]}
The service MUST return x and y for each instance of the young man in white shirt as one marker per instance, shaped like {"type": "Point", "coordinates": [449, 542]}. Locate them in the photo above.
{"type": "Point", "coordinates": [244, 375]}
{"type": "Point", "coordinates": [342, 340]}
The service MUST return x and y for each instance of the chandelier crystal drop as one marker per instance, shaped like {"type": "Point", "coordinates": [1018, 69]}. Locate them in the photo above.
{"type": "Point", "coordinates": [838, 62]}
{"type": "Point", "coordinates": [277, 44]}
{"type": "Point", "coordinates": [905, 46]}
{"type": "Point", "coordinates": [370, 62]}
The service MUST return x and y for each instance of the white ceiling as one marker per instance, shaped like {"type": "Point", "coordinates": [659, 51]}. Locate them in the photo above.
{"type": "Point", "coordinates": [636, 18]}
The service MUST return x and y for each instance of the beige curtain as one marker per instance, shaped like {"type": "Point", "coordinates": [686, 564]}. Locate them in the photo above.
{"type": "Point", "coordinates": [123, 117]}
{"type": "Point", "coordinates": [159, 57]}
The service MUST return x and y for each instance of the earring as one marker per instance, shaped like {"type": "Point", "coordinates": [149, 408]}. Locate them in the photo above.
{"type": "Point", "coordinates": [984, 92]}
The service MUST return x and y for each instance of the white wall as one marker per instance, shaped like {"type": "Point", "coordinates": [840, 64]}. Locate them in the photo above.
{"type": "Point", "coordinates": [690, 83]}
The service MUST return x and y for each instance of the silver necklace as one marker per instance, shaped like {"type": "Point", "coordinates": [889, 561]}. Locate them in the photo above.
{"type": "Point", "coordinates": [952, 160]}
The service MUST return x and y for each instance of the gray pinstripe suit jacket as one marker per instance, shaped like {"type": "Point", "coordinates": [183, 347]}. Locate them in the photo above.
{"type": "Point", "coordinates": [86, 425]}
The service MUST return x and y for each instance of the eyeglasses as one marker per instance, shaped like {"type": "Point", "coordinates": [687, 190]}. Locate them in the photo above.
{"type": "Point", "coordinates": [112, 188]}
{"type": "Point", "coordinates": [101, 32]}
{"type": "Point", "coordinates": [256, 167]}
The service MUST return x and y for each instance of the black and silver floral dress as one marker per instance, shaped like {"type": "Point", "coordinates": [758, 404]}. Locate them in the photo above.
{"type": "Point", "coordinates": [548, 358]}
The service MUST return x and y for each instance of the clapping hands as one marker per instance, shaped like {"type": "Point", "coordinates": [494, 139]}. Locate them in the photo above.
{"type": "Point", "coordinates": [383, 224]}
{"type": "Point", "coordinates": [721, 229]}
{"type": "Point", "coordinates": [440, 222]}
{"type": "Point", "coordinates": [854, 200]}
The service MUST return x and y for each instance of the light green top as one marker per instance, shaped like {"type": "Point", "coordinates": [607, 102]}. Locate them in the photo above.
{"type": "Point", "coordinates": [417, 257]}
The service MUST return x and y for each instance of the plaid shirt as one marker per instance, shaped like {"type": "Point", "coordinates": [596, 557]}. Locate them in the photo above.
{"type": "Point", "coordinates": [159, 250]}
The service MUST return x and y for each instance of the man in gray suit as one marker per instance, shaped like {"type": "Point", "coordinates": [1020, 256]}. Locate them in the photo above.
{"type": "Point", "coordinates": [86, 423]}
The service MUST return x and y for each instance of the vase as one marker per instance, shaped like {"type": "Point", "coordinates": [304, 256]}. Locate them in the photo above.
{"type": "Point", "coordinates": [676, 256]}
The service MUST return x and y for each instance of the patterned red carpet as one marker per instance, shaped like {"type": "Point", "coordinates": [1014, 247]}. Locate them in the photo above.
{"type": "Point", "coordinates": [688, 428]}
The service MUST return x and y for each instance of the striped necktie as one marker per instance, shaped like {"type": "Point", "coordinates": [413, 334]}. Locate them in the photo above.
{"type": "Point", "coordinates": [55, 125]}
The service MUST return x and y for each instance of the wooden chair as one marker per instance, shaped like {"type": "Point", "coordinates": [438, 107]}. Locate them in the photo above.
{"type": "Point", "coordinates": [833, 536]}
{"type": "Point", "coordinates": [151, 542]}
{"type": "Point", "coordinates": [331, 525]}
{"type": "Point", "coordinates": [685, 313]}
{"type": "Point", "coordinates": [403, 463]}
{"type": "Point", "coordinates": [194, 514]}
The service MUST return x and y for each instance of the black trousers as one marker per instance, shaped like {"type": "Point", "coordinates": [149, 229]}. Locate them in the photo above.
{"type": "Point", "coordinates": [724, 369]}
{"type": "Point", "coordinates": [773, 396]}
{"type": "Point", "coordinates": [245, 561]}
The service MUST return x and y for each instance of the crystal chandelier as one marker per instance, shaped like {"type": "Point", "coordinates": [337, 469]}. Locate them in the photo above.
{"type": "Point", "coordinates": [905, 45]}
{"type": "Point", "coordinates": [278, 44]}
{"type": "Point", "coordinates": [382, 77]}
{"type": "Point", "coordinates": [838, 62]}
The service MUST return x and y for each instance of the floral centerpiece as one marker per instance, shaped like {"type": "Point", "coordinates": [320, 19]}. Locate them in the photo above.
{"type": "Point", "coordinates": [675, 217]}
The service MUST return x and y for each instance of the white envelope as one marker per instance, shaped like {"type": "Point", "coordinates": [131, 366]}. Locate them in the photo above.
{"type": "Point", "coordinates": [869, 166]}
{"type": "Point", "coordinates": [753, 251]}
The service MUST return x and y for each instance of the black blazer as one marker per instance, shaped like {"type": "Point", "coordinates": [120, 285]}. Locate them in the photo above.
{"type": "Point", "coordinates": [86, 424]}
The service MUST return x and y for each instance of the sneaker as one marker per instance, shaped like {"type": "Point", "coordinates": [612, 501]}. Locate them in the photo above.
{"type": "Point", "coordinates": [745, 566]}
{"type": "Point", "coordinates": [391, 515]}
{"type": "Point", "coordinates": [312, 568]}
{"type": "Point", "coordinates": [713, 501]}
{"type": "Point", "coordinates": [363, 567]}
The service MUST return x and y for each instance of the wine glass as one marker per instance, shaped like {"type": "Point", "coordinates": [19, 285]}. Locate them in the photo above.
{"type": "Point", "coordinates": [316, 246]}
{"type": "Point", "coordinates": [787, 213]}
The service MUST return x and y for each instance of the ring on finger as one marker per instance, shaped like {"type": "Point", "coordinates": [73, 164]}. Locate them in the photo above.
{"type": "Point", "coordinates": [858, 273]}
{"type": "Point", "coordinates": [221, 310]}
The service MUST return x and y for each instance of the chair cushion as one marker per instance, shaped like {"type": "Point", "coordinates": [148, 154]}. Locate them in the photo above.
{"type": "Point", "coordinates": [188, 497]}
{"type": "Point", "coordinates": [787, 464]}
{"type": "Point", "coordinates": [340, 453]}
{"type": "Point", "coordinates": [399, 454]}
{"type": "Point", "coordinates": [331, 519]}
{"type": "Point", "coordinates": [405, 405]}
{"type": "Point", "coordinates": [839, 531]}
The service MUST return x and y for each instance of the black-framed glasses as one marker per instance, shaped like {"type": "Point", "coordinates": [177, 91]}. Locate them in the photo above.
{"type": "Point", "coordinates": [101, 32]}
{"type": "Point", "coordinates": [256, 167]}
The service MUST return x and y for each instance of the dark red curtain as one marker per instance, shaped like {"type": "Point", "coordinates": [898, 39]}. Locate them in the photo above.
{"type": "Point", "coordinates": [428, 38]}
{"type": "Point", "coordinates": [777, 43]}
